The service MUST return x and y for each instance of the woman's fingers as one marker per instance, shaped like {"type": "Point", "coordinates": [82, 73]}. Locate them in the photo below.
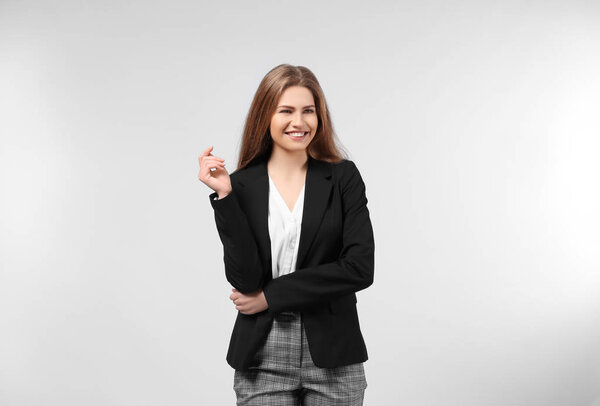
{"type": "Point", "coordinates": [207, 150]}
{"type": "Point", "coordinates": [206, 158]}
{"type": "Point", "coordinates": [217, 178]}
{"type": "Point", "coordinates": [206, 154]}
{"type": "Point", "coordinates": [206, 165]}
{"type": "Point", "coordinates": [236, 296]}
{"type": "Point", "coordinates": [212, 163]}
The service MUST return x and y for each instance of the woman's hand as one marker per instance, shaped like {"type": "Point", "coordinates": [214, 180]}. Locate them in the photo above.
{"type": "Point", "coordinates": [249, 303]}
{"type": "Point", "coordinates": [218, 180]}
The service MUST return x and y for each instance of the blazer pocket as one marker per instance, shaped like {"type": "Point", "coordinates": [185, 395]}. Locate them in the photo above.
{"type": "Point", "coordinates": [342, 304]}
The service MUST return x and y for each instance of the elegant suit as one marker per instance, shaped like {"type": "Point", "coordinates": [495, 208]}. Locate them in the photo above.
{"type": "Point", "coordinates": [335, 260]}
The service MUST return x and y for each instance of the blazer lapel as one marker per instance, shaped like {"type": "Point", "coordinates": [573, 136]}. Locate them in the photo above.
{"type": "Point", "coordinates": [316, 196]}
{"type": "Point", "coordinates": [255, 193]}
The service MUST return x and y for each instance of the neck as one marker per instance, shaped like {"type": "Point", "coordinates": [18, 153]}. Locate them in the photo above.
{"type": "Point", "coordinates": [288, 162]}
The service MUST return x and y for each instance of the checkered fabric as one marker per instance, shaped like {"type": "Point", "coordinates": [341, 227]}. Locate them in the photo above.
{"type": "Point", "coordinates": [286, 375]}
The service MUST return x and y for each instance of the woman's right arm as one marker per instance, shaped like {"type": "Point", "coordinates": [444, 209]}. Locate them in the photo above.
{"type": "Point", "coordinates": [243, 267]}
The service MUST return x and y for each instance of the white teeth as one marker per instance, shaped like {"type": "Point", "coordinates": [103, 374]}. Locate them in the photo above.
{"type": "Point", "coordinates": [296, 134]}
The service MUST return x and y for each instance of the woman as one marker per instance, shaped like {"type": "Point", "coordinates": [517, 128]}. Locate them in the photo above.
{"type": "Point", "coordinates": [298, 243]}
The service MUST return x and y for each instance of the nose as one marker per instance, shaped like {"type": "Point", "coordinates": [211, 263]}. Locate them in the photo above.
{"type": "Point", "coordinates": [297, 119]}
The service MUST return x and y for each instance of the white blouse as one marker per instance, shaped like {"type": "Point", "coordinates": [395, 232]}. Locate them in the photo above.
{"type": "Point", "coordinates": [284, 230]}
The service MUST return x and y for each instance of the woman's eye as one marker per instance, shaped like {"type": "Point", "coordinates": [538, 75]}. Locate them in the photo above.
{"type": "Point", "coordinates": [289, 111]}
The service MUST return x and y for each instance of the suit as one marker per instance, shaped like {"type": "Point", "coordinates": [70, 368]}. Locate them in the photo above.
{"type": "Point", "coordinates": [335, 260]}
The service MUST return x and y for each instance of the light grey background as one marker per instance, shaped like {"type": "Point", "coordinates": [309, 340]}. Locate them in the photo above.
{"type": "Point", "coordinates": [475, 127]}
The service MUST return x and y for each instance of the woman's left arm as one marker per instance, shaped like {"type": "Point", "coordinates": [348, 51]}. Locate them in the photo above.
{"type": "Point", "coordinates": [351, 272]}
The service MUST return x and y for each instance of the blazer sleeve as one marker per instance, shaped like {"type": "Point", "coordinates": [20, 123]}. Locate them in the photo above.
{"type": "Point", "coordinates": [351, 272]}
{"type": "Point", "coordinates": [243, 267]}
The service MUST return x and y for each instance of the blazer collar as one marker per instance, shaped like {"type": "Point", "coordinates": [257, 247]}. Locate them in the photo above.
{"type": "Point", "coordinates": [254, 189]}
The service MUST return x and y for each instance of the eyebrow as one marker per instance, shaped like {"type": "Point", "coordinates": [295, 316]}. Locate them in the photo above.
{"type": "Point", "coordinates": [291, 107]}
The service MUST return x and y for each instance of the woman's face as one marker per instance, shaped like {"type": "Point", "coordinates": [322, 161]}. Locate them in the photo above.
{"type": "Point", "coordinates": [296, 113]}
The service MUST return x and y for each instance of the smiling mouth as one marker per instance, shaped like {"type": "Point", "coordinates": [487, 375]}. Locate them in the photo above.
{"type": "Point", "coordinates": [297, 134]}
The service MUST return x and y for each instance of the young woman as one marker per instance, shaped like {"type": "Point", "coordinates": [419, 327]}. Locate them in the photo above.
{"type": "Point", "coordinates": [298, 243]}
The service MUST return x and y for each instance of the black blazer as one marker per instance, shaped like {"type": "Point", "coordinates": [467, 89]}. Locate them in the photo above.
{"type": "Point", "coordinates": [335, 260]}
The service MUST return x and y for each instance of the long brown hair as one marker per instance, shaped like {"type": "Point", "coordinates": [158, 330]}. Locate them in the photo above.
{"type": "Point", "coordinates": [256, 140]}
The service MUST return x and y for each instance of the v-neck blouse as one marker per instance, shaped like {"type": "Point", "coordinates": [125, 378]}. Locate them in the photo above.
{"type": "Point", "coordinates": [284, 230]}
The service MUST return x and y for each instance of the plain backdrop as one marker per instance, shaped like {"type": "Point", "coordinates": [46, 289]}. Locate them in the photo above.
{"type": "Point", "coordinates": [475, 125]}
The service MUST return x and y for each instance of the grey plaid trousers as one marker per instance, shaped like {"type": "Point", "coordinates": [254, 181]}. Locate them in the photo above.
{"type": "Point", "coordinates": [286, 375]}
